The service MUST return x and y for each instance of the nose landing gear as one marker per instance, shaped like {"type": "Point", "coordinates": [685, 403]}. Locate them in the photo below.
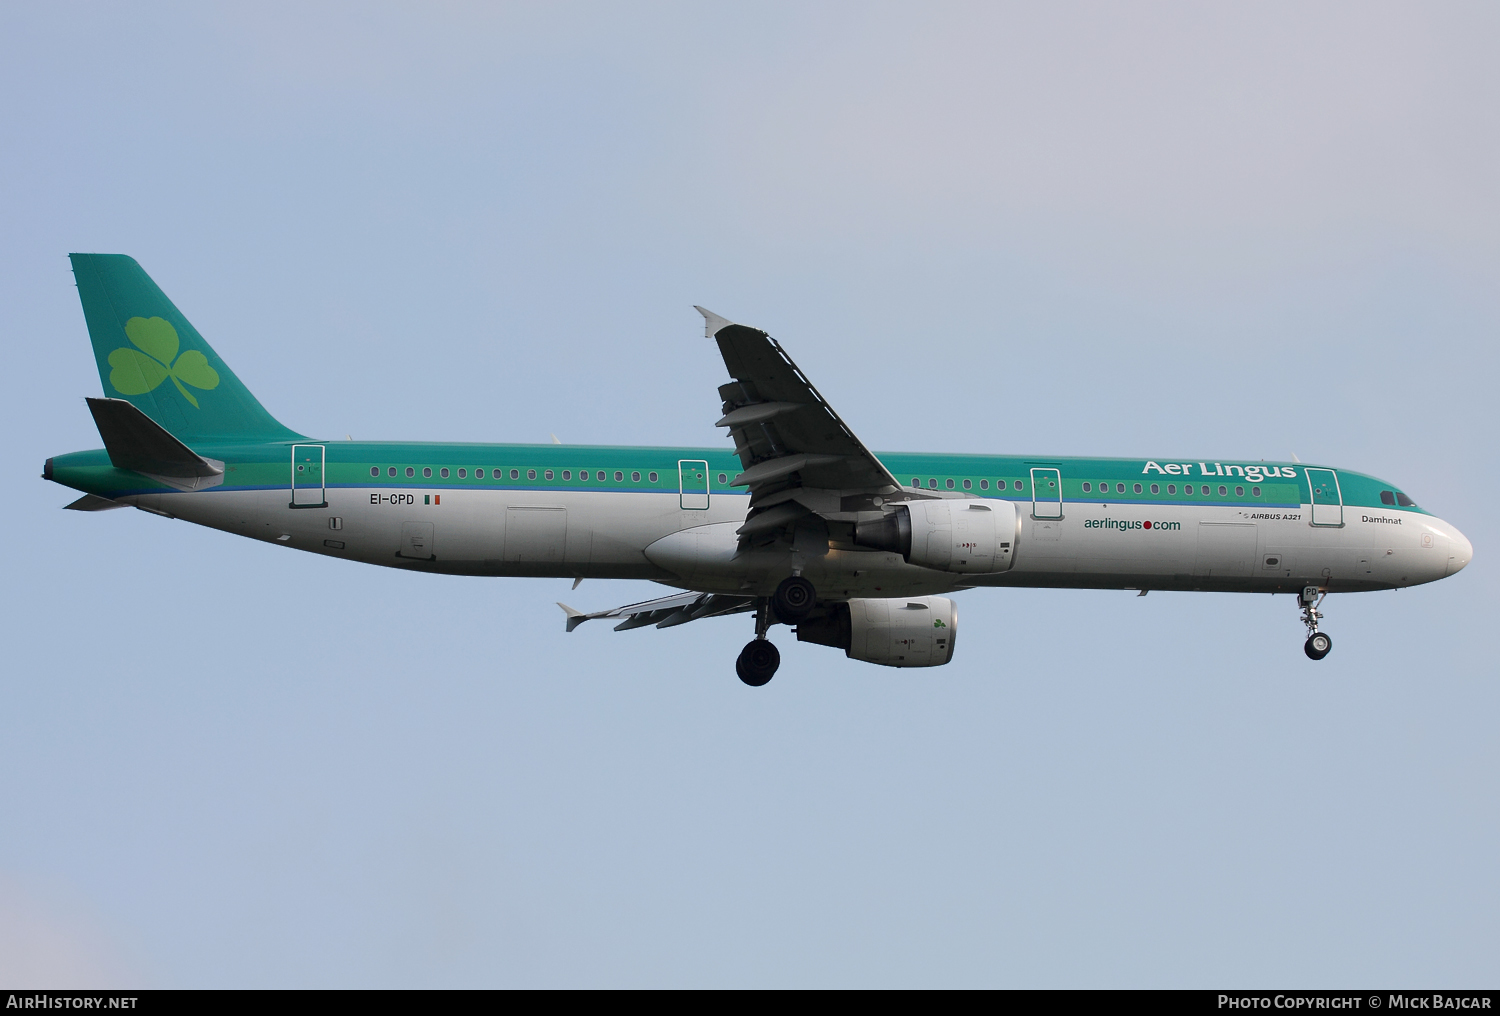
{"type": "Point", "coordinates": [1318, 645]}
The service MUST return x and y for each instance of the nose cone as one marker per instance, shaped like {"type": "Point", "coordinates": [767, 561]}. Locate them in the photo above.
{"type": "Point", "coordinates": [1460, 550]}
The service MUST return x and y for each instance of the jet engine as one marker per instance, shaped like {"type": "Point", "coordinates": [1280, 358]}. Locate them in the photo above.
{"type": "Point", "coordinates": [909, 631]}
{"type": "Point", "coordinates": [969, 535]}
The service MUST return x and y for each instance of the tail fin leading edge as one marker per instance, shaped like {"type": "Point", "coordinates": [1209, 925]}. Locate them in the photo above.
{"type": "Point", "coordinates": [152, 356]}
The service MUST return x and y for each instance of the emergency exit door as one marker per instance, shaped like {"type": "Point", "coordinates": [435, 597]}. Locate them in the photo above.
{"type": "Point", "coordinates": [1327, 499]}
{"type": "Point", "coordinates": [692, 484]}
{"type": "Point", "coordinates": [307, 476]}
{"type": "Point", "coordinates": [1046, 494]}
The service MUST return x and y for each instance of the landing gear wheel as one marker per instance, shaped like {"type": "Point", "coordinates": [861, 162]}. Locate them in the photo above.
{"type": "Point", "coordinates": [794, 599]}
{"type": "Point", "coordinates": [1317, 646]}
{"type": "Point", "coordinates": [758, 662]}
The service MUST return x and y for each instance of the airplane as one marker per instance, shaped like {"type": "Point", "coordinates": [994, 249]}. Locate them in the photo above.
{"type": "Point", "coordinates": [799, 524]}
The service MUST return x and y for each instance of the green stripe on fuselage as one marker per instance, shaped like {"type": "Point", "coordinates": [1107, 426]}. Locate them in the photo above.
{"type": "Point", "coordinates": [350, 464]}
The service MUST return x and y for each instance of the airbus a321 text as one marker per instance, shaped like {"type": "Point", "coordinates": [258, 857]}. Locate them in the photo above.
{"type": "Point", "coordinates": [799, 524]}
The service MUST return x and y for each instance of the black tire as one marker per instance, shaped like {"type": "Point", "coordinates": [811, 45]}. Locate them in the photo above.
{"type": "Point", "coordinates": [758, 662]}
{"type": "Point", "coordinates": [1317, 646]}
{"type": "Point", "coordinates": [794, 599]}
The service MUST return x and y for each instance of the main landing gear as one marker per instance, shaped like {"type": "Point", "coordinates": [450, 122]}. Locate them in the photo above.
{"type": "Point", "coordinates": [1318, 645]}
{"type": "Point", "coordinates": [793, 600]}
{"type": "Point", "coordinates": [758, 662]}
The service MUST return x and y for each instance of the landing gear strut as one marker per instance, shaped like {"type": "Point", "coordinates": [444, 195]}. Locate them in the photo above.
{"type": "Point", "coordinates": [1318, 645]}
{"type": "Point", "coordinates": [758, 660]}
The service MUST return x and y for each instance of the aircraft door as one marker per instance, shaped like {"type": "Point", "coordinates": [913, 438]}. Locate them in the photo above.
{"type": "Point", "coordinates": [692, 484]}
{"type": "Point", "coordinates": [1327, 498]}
{"type": "Point", "coordinates": [1046, 494]}
{"type": "Point", "coordinates": [307, 476]}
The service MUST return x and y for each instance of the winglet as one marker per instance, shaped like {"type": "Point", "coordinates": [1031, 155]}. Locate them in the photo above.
{"type": "Point", "coordinates": [575, 617]}
{"type": "Point", "coordinates": [712, 323]}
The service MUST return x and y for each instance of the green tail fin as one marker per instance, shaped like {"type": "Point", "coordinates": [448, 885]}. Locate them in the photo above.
{"type": "Point", "coordinates": [151, 356]}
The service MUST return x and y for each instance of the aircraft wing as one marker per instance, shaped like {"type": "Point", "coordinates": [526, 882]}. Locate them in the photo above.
{"type": "Point", "coordinates": [798, 455]}
{"type": "Point", "coordinates": [665, 611]}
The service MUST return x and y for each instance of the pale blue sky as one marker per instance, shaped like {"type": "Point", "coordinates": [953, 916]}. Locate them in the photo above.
{"type": "Point", "coordinates": [1077, 229]}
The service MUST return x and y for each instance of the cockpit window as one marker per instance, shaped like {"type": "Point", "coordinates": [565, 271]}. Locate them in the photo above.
{"type": "Point", "coordinates": [1387, 497]}
{"type": "Point", "coordinates": [1404, 501]}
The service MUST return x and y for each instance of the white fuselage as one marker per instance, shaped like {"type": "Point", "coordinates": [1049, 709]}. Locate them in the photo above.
{"type": "Point", "coordinates": [648, 535]}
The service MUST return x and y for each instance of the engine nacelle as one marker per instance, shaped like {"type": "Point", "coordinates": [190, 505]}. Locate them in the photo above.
{"type": "Point", "coordinates": [908, 631]}
{"type": "Point", "coordinates": [968, 535]}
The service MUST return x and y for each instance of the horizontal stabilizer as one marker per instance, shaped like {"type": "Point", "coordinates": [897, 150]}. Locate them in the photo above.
{"type": "Point", "coordinates": [136, 442]}
{"type": "Point", "coordinates": [93, 503]}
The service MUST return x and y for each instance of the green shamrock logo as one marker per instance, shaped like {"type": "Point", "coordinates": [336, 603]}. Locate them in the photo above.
{"type": "Point", "coordinates": [138, 371]}
{"type": "Point", "coordinates": [939, 623]}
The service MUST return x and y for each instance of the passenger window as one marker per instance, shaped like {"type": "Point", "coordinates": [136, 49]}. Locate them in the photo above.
{"type": "Point", "coordinates": [531, 474]}
{"type": "Point", "coordinates": [1239, 492]}
{"type": "Point", "coordinates": [410, 471]}
{"type": "Point", "coordinates": [635, 477]}
{"type": "Point", "coordinates": [1387, 497]}
{"type": "Point", "coordinates": [427, 472]}
{"type": "Point", "coordinates": [984, 485]}
{"type": "Point", "coordinates": [583, 474]}
{"type": "Point", "coordinates": [619, 476]}
{"type": "Point", "coordinates": [374, 470]}
{"type": "Point", "coordinates": [1255, 491]}
{"type": "Point", "coordinates": [950, 484]}
{"type": "Point", "coordinates": [1087, 487]}
{"type": "Point", "coordinates": [391, 471]}
{"type": "Point", "coordinates": [1119, 488]}
{"type": "Point", "coordinates": [515, 474]}
{"type": "Point", "coordinates": [1137, 488]}
{"type": "Point", "coordinates": [547, 474]}
{"type": "Point", "coordinates": [1187, 489]}
{"type": "Point", "coordinates": [1223, 490]}
{"type": "Point", "coordinates": [968, 484]}
{"type": "Point", "coordinates": [1155, 489]}
{"type": "Point", "coordinates": [723, 478]}
{"type": "Point", "coordinates": [443, 472]}
{"type": "Point", "coordinates": [1020, 485]}
{"type": "Point", "coordinates": [599, 476]}
{"type": "Point", "coordinates": [1404, 501]}
{"type": "Point", "coordinates": [462, 473]}
{"type": "Point", "coordinates": [652, 477]}
{"type": "Point", "coordinates": [1171, 488]}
